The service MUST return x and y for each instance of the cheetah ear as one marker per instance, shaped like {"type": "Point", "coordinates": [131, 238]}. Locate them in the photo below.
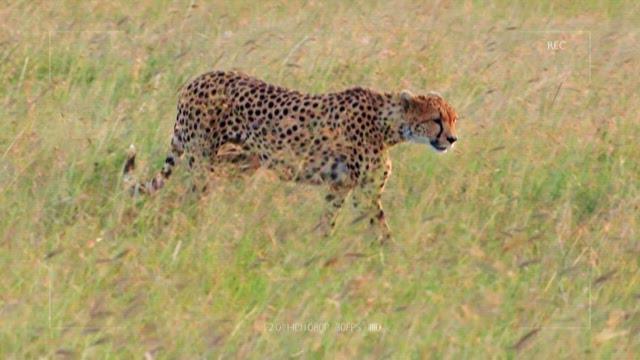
{"type": "Point", "coordinates": [407, 99]}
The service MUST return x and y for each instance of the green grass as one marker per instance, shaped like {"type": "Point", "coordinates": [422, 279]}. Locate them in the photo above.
{"type": "Point", "coordinates": [522, 242]}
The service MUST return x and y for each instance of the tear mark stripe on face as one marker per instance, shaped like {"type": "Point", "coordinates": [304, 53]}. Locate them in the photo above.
{"type": "Point", "coordinates": [439, 122]}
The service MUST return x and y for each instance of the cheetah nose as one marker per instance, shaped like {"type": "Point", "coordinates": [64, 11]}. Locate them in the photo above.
{"type": "Point", "coordinates": [452, 139]}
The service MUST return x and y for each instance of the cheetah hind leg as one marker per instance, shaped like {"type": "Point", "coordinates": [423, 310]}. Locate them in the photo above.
{"type": "Point", "coordinates": [229, 162]}
{"type": "Point", "coordinates": [233, 162]}
{"type": "Point", "coordinates": [200, 170]}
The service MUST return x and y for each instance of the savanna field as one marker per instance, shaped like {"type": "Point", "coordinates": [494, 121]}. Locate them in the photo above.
{"type": "Point", "coordinates": [522, 242]}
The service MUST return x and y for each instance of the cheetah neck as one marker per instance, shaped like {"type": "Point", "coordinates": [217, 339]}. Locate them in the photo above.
{"type": "Point", "coordinates": [391, 116]}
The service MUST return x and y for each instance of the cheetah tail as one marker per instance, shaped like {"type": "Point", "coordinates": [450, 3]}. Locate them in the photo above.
{"type": "Point", "coordinates": [153, 185]}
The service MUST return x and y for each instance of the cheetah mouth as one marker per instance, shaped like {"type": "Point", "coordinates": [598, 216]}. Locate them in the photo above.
{"type": "Point", "coordinates": [437, 147]}
{"type": "Point", "coordinates": [408, 134]}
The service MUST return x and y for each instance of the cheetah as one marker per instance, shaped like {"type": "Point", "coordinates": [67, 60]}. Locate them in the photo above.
{"type": "Point", "coordinates": [338, 139]}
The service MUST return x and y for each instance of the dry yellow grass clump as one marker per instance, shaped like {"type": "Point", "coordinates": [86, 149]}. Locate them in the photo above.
{"type": "Point", "coordinates": [523, 241]}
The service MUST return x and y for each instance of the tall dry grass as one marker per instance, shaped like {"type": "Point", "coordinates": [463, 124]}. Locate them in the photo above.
{"type": "Point", "coordinates": [521, 242]}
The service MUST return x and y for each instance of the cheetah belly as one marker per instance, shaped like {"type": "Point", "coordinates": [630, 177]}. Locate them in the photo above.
{"type": "Point", "coordinates": [297, 155]}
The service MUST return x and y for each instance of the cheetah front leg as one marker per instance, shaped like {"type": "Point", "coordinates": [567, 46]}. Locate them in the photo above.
{"type": "Point", "coordinates": [334, 201]}
{"type": "Point", "coordinates": [367, 200]}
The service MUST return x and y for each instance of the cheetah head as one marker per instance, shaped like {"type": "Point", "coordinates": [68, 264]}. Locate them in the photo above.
{"type": "Point", "coordinates": [428, 120]}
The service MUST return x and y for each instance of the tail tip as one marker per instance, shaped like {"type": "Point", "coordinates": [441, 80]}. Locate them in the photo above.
{"type": "Point", "coordinates": [131, 152]}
